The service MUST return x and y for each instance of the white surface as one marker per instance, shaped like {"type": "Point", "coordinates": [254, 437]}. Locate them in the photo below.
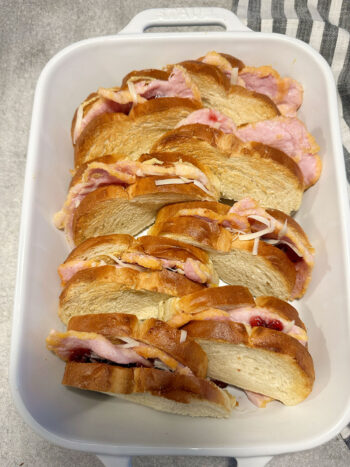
{"type": "Point", "coordinates": [97, 423]}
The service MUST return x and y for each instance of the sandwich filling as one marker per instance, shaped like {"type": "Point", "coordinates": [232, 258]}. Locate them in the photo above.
{"type": "Point", "coordinates": [190, 268]}
{"type": "Point", "coordinates": [90, 347]}
{"type": "Point", "coordinates": [286, 134]}
{"type": "Point", "coordinates": [249, 316]}
{"type": "Point", "coordinates": [91, 108]}
{"type": "Point", "coordinates": [125, 173]}
{"type": "Point", "coordinates": [139, 89]}
{"type": "Point", "coordinates": [286, 93]}
{"type": "Point", "coordinates": [248, 221]}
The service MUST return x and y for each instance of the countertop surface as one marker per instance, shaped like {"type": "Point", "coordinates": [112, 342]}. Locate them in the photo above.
{"type": "Point", "coordinates": [31, 33]}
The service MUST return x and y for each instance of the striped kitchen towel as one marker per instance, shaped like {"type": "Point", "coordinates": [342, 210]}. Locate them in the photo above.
{"type": "Point", "coordinates": [325, 25]}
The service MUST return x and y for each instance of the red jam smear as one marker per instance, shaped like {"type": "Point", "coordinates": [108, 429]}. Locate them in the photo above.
{"type": "Point", "coordinates": [270, 324]}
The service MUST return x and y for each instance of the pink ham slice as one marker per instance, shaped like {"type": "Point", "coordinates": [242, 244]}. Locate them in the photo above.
{"type": "Point", "coordinates": [111, 101]}
{"type": "Point", "coordinates": [123, 172]}
{"type": "Point", "coordinates": [210, 117]}
{"type": "Point", "coordinates": [177, 85]}
{"type": "Point", "coordinates": [192, 269]}
{"type": "Point", "coordinates": [99, 107]}
{"type": "Point", "coordinates": [64, 345]}
{"type": "Point", "coordinates": [64, 218]}
{"type": "Point", "coordinates": [259, 400]}
{"type": "Point", "coordinates": [285, 92]}
{"type": "Point", "coordinates": [290, 136]}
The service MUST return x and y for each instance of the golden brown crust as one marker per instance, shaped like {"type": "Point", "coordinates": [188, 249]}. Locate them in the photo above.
{"type": "Point", "coordinates": [196, 130]}
{"type": "Point", "coordinates": [222, 331]}
{"type": "Point", "coordinates": [235, 62]}
{"type": "Point", "coordinates": [108, 124]}
{"type": "Point", "coordinates": [227, 298]}
{"type": "Point", "coordinates": [104, 122]}
{"type": "Point", "coordinates": [277, 258]}
{"type": "Point", "coordinates": [259, 338]}
{"type": "Point", "coordinates": [194, 66]}
{"type": "Point", "coordinates": [240, 90]}
{"type": "Point", "coordinates": [162, 104]}
{"type": "Point", "coordinates": [208, 235]}
{"type": "Point", "coordinates": [228, 145]}
{"type": "Point", "coordinates": [166, 338]}
{"type": "Point", "coordinates": [167, 212]}
{"type": "Point", "coordinates": [114, 379]}
{"type": "Point", "coordinates": [121, 240]}
{"type": "Point", "coordinates": [279, 342]}
{"type": "Point", "coordinates": [171, 158]}
{"type": "Point", "coordinates": [165, 281]}
{"type": "Point", "coordinates": [152, 331]}
{"type": "Point", "coordinates": [147, 186]}
{"type": "Point", "coordinates": [282, 217]}
{"type": "Point", "coordinates": [107, 159]}
{"type": "Point", "coordinates": [142, 187]}
{"type": "Point", "coordinates": [284, 309]}
{"type": "Point", "coordinates": [267, 152]}
{"type": "Point", "coordinates": [167, 248]}
{"type": "Point", "coordinates": [92, 200]}
{"type": "Point", "coordinates": [149, 73]}
{"type": "Point", "coordinates": [109, 325]}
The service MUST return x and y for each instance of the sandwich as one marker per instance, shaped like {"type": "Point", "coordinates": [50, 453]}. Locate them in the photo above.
{"type": "Point", "coordinates": [286, 134]}
{"type": "Point", "coordinates": [132, 134]}
{"type": "Point", "coordinates": [257, 345]}
{"type": "Point", "coordinates": [242, 169]}
{"type": "Point", "coordinates": [286, 93]}
{"type": "Point", "coordinates": [264, 250]}
{"type": "Point", "coordinates": [217, 92]}
{"type": "Point", "coordinates": [147, 363]}
{"type": "Point", "coordinates": [113, 194]}
{"type": "Point", "coordinates": [141, 254]}
{"type": "Point", "coordinates": [200, 80]}
{"type": "Point", "coordinates": [127, 287]}
{"type": "Point", "coordinates": [137, 88]}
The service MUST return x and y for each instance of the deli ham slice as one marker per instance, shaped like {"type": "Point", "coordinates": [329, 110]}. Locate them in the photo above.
{"type": "Point", "coordinates": [210, 117]}
{"type": "Point", "coordinates": [76, 345]}
{"type": "Point", "coordinates": [259, 400]}
{"type": "Point", "coordinates": [178, 84]}
{"type": "Point", "coordinates": [286, 93]}
{"type": "Point", "coordinates": [290, 136]}
{"type": "Point", "coordinates": [123, 172]}
{"type": "Point", "coordinates": [191, 268]}
{"type": "Point", "coordinates": [92, 108]}
{"type": "Point", "coordinates": [66, 344]}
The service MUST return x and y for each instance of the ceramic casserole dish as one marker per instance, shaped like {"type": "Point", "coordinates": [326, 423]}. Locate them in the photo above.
{"type": "Point", "coordinates": [103, 425]}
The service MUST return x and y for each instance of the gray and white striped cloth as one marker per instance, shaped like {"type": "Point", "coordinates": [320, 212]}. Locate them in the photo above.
{"type": "Point", "coordinates": [325, 25]}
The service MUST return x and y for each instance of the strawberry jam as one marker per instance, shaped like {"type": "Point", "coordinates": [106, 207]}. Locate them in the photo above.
{"type": "Point", "coordinates": [270, 324]}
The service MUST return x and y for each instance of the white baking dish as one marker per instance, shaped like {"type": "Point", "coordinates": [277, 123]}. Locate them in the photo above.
{"type": "Point", "coordinates": [97, 423]}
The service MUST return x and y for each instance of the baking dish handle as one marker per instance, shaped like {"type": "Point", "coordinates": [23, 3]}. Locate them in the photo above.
{"type": "Point", "coordinates": [125, 461]}
{"type": "Point", "coordinates": [183, 17]}
{"type": "Point", "coordinates": [115, 461]}
{"type": "Point", "coordinates": [252, 461]}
